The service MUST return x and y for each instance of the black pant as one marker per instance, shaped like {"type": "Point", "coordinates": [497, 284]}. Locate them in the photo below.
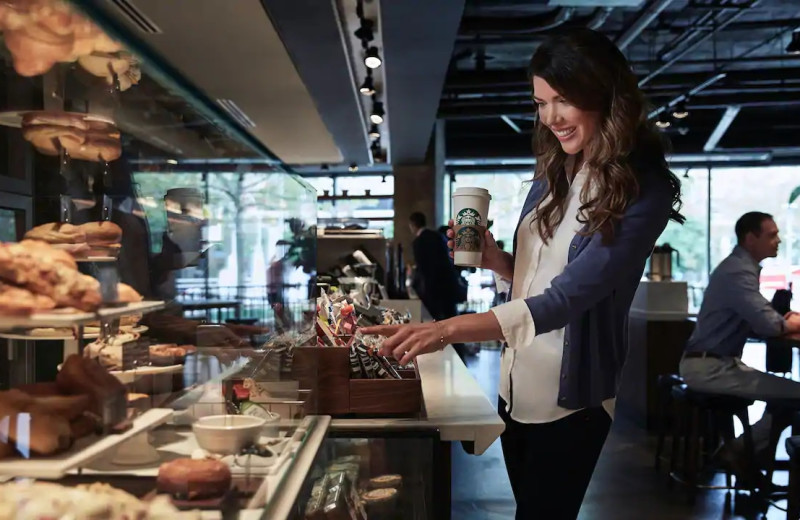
{"type": "Point", "coordinates": [550, 464]}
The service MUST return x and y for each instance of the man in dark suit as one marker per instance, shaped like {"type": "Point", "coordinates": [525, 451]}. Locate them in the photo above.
{"type": "Point", "coordinates": [435, 276]}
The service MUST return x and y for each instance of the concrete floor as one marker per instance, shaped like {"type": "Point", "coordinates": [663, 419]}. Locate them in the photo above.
{"type": "Point", "coordinates": [625, 486]}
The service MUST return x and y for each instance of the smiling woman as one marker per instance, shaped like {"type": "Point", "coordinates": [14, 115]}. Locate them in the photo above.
{"type": "Point", "coordinates": [601, 196]}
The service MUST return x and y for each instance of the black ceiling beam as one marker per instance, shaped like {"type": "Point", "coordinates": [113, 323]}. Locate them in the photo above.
{"type": "Point", "coordinates": [532, 24]}
{"type": "Point", "coordinates": [515, 80]}
{"type": "Point", "coordinates": [732, 17]}
{"type": "Point", "coordinates": [494, 110]}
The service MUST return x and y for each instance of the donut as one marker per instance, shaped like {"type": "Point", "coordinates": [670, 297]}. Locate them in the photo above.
{"type": "Point", "coordinates": [194, 479]}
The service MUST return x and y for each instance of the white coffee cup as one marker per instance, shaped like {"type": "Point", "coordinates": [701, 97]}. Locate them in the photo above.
{"type": "Point", "coordinates": [470, 219]}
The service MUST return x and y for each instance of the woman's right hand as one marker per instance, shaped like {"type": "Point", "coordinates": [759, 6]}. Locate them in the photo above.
{"type": "Point", "coordinates": [492, 255]}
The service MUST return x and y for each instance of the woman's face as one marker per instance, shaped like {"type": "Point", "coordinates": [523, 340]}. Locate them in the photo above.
{"type": "Point", "coordinates": [574, 128]}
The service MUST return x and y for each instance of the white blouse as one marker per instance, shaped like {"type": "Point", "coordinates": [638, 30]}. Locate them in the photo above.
{"type": "Point", "coordinates": [531, 362]}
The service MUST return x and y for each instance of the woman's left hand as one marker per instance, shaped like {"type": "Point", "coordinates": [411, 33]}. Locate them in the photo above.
{"type": "Point", "coordinates": [406, 342]}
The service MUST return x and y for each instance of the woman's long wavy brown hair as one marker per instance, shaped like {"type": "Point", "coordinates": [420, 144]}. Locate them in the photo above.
{"type": "Point", "coordinates": [591, 73]}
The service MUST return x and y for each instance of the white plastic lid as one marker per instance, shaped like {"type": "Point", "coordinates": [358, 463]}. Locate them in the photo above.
{"type": "Point", "coordinates": [475, 192]}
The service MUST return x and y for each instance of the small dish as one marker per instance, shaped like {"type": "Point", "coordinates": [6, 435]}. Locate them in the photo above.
{"type": "Point", "coordinates": [227, 434]}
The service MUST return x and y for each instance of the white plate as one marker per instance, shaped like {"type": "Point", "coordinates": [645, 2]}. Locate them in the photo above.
{"type": "Point", "coordinates": [83, 452]}
{"type": "Point", "coordinates": [96, 259]}
{"type": "Point", "coordinates": [67, 317]}
{"type": "Point", "coordinates": [129, 376]}
{"type": "Point", "coordinates": [173, 444]}
{"type": "Point", "coordinates": [14, 118]}
{"type": "Point", "coordinates": [141, 329]}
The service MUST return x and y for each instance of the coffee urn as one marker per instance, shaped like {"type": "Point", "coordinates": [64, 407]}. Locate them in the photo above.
{"type": "Point", "coordinates": [661, 263]}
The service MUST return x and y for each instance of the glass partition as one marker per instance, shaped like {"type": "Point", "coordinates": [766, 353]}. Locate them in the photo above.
{"type": "Point", "coordinates": [164, 278]}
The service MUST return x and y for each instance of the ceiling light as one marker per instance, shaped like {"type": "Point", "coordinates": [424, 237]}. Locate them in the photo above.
{"type": "Point", "coordinates": [680, 111]}
{"type": "Point", "coordinates": [377, 113]}
{"type": "Point", "coordinates": [368, 87]}
{"type": "Point", "coordinates": [794, 45]}
{"type": "Point", "coordinates": [374, 132]}
{"type": "Point", "coordinates": [372, 59]}
{"type": "Point", "coordinates": [172, 161]}
{"type": "Point", "coordinates": [364, 32]}
{"type": "Point", "coordinates": [663, 121]}
{"type": "Point", "coordinates": [353, 167]}
{"type": "Point", "coordinates": [683, 129]}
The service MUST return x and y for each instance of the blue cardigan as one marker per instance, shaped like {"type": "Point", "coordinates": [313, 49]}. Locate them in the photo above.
{"type": "Point", "coordinates": [592, 296]}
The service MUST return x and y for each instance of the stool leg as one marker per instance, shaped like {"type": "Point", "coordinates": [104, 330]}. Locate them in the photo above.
{"type": "Point", "coordinates": [780, 420]}
{"type": "Point", "coordinates": [693, 452]}
{"type": "Point", "coordinates": [749, 447]}
{"type": "Point", "coordinates": [678, 427]}
{"type": "Point", "coordinates": [662, 426]}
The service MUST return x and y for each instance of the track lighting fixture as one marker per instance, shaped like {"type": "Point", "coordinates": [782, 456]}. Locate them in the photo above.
{"type": "Point", "coordinates": [376, 117]}
{"type": "Point", "coordinates": [663, 121]}
{"type": "Point", "coordinates": [365, 32]}
{"type": "Point", "coordinates": [373, 58]}
{"type": "Point", "coordinates": [794, 45]}
{"type": "Point", "coordinates": [368, 87]}
{"type": "Point", "coordinates": [374, 132]}
{"type": "Point", "coordinates": [680, 111]}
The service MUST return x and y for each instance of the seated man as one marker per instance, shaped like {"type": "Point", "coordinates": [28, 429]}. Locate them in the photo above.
{"type": "Point", "coordinates": [733, 309]}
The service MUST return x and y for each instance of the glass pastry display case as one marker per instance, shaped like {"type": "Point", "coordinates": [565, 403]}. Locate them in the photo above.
{"type": "Point", "coordinates": [157, 282]}
{"type": "Point", "coordinates": [156, 263]}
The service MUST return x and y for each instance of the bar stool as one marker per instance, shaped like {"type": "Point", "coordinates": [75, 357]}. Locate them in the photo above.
{"type": "Point", "coordinates": [719, 410]}
{"type": "Point", "coordinates": [664, 407]}
{"type": "Point", "coordinates": [793, 500]}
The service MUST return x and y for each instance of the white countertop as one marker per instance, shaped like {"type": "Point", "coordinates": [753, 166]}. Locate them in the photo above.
{"type": "Point", "coordinates": [454, 403]}
{"type": "Point", "coordinates": [651, 315]}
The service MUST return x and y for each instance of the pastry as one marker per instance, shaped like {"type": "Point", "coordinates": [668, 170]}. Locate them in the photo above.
{"type": "Point", "coordinates": [52, 252]}
{"type": "Point", "coordinates": [51, 139]}
{"type": "Point", "coordinates": [55, 118]}
{"type": "Point", "coordinates": [104, 64]}
{"type": "Point", "coordinates": [167, 354]}
{"type": "Point", "coordinates": [107, 396]}
{"type": "Point", "coordinates": [193, 479]}
{"type": "Point", "coordinates": [41, 33]}
{"type": "Point", "coordinates": [16, 301]}
{"type": "Point", "coordinates": [109, 351]}
{"type": "Point", "coordinates": [102, 233]}
{"type": "Point", "coordinates": [127, 294]}
{"type": "Point", "coordinates": [379, 496]}
{"type": "Point", "coordinates": [45, 433]}
{"type": "Point", "coordinates": [27, 267]}
{"type": "Point", "coordinates": [57, 233]}
{"type": "Point", "coordinates": [386, 481]}
{"type": "Point", "coordinates": [25, 499]}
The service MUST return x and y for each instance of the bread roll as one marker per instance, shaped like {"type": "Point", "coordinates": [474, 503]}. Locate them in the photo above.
{"type": "Point", "coordinates": [194, 479]}
{"type": "Point", "coordinates": [57, 233]}
{"type": "Point", "coordinates": [103, 64]}
{"type": "Point", "coordinates": [102, 233]}
{"type": "Point", "coordinates": [127, 294]}
{"type": "Point", "coordinates": [42, 433]}
{"type": "Point", "coordinates": [96, 150]}
{"type": "Point", "coordinates": [55, 118]}
{"type": "Point", "coordinates": [54, 254]}
{"type": "Point", "coordinates": [16, 301]}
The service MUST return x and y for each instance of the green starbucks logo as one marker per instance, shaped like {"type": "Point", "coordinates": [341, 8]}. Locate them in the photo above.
{"type": "Point", "coordinates": [468, 217]}
{"type": "Point", "coordinates": [468, 240]}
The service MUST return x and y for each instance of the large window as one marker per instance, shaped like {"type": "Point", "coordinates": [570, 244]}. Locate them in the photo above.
{"type": "Point", "coordinates": [735, 191]}
{"type": "Point", "coordinates": [691, 238]}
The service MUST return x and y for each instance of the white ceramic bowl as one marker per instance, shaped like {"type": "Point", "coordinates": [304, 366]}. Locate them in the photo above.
{"type": "Point", "coordinates": [227, 434]}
